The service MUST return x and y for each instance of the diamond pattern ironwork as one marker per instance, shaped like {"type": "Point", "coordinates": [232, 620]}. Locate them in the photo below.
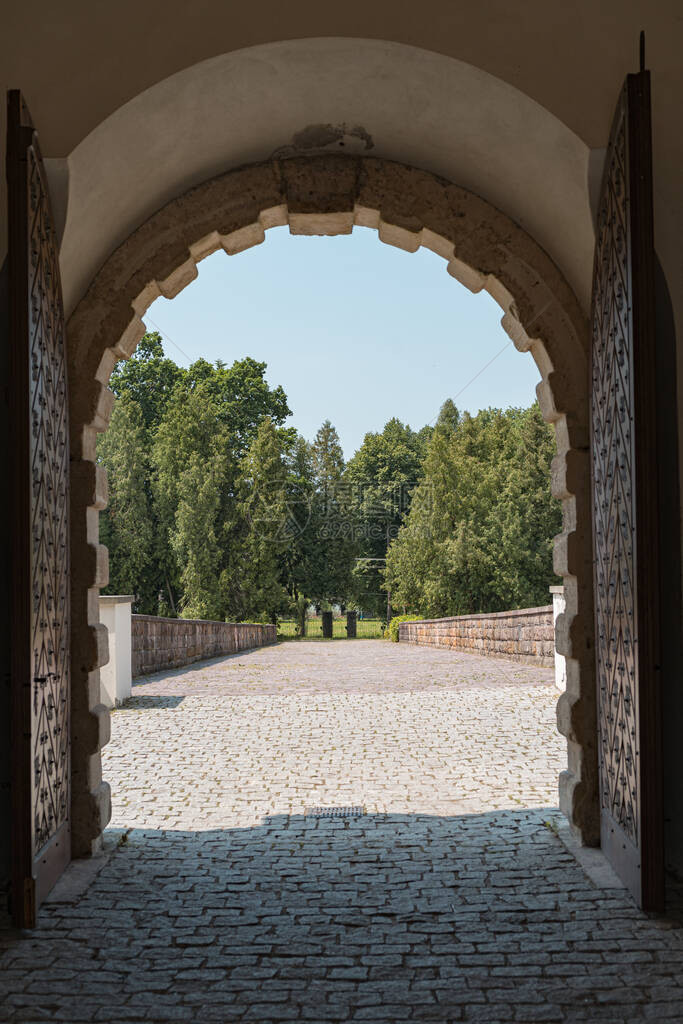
{"type": "Point", "coordinates": [49, 519]}
{"type": "Point", "coordinates": [614, 510]}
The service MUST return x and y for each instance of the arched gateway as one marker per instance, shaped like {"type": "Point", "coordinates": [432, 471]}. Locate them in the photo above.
{"type": "Point", "coordinates": [483, 248]}
{"type": "Point", "coordinates": [328, 195]}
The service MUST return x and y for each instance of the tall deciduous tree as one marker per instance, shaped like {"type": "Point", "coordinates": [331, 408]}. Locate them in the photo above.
{"type": "Point", "coordinates": [242, 395]}
{"type": "Point", "coordinates": [149, 378]}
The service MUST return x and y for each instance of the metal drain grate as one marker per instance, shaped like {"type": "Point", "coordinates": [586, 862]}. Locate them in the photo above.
{"type": "Point", "coordinates": [353, 811]}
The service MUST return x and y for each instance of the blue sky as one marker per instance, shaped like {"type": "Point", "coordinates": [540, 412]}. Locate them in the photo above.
{"type": "Point", "coordinates": [355, 331]}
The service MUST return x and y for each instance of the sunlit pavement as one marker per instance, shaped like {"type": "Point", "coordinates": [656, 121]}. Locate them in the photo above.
{"type": "Point", "coordinates": [445, 893]}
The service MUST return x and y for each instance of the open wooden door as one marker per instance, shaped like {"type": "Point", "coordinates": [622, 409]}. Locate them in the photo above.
{"type": "Point", "coordinates": [39, 439]}
{"type": "Point", "coordinates": [625, 514]}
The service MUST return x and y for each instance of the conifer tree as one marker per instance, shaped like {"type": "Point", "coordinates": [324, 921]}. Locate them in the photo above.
{"type": "Point", "coordinates": [478, 537]}
{"type": "Point", "coordinates": [126, 525]}
{"type": "Point", "coordinates": [269, 524]}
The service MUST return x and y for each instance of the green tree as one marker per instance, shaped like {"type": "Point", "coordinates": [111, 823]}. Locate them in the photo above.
{"type": "Point", "coordinates": [197, 424]}
{"type": "Point", "coordinates": [327, 457]}
{"type": "Point", "coordinates": [242, 395]}
{"type": "Point", "coordinates": [331, 519]}
{"type": "Point", "coordinates": [126, 525]}
{"type": "Point", "coordinates": [305, 568]}
{"type": "Point", "coordinates": [269, 523]}
{"type": "Point", "coordinates": [380, 480]}
{"type": "Point", "coordinates": [194, 492]}
{"type": "Point", "coordinates": [196, 536]}
{"type": "Point", "coordinates": [149, 378]}
{"type": "Point", "coordinates": [479, 533]}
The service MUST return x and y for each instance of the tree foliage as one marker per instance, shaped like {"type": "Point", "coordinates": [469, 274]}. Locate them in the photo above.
{"type": "Point", "coordinates": [218, 510]}
{"type": "Point", "coordinates": [127, 527]}
{"type": "Point", "coordinates": [380, 480]}
{"type": "Point", "coordinates": [149, 378]}
{"type": "Point", "coordinates": [331, 517]}
{"type": "Point", "coordinates": [479, 533]}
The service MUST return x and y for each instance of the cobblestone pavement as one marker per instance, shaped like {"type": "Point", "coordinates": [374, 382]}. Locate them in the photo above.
{"type": "Point", "coordinates": [391, 727]}
{"type": "Point", "coordinates": [452, 898]}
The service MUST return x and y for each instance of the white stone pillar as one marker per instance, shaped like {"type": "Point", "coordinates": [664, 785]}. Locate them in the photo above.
{"type": "Point", "coordinates": [116, 676]}
{"type": "Point", "coordinates": [559, 605]}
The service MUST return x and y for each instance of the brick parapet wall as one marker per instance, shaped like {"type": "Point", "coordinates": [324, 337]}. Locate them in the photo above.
{"type": "Point", "coordinates": [159, 643]}
{"type": "Point", "coordinates": [526, 634]}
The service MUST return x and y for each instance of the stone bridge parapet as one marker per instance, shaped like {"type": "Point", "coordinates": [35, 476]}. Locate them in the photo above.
{"type": "Point", "coordinates": [159, 643]}
{"type": "Point", "coordinates": [525, 634]}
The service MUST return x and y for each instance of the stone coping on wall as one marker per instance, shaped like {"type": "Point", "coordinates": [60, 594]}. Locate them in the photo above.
{"type": "Point", "coordinates": [193, 622]}
{"type": "Point", "coordinates": [521, 634]}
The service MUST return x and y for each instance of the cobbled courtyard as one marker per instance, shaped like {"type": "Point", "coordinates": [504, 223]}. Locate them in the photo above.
{"type": "Point", "coordinates": [448, 894]}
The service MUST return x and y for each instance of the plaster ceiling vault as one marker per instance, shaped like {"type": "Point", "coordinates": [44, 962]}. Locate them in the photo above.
{"type": "Point", "coordinates": [310, 96]}
{"type": "Point", "coordinates": [80, 65]}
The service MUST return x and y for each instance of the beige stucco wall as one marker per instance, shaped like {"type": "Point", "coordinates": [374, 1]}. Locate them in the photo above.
{"type": "Point", "coordinates": [327, 95]}
{"type": "Point", "coordinates": [80, 63]}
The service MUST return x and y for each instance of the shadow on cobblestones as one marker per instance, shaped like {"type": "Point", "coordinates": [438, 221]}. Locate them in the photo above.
{"type": "Point", "coordinates": [339, 667]}
{"type": "Point", "coordinates": [382, 917]}
{"type": "Point", "coordinates": [447, 901]}
{"type": "Point", "coordinates": [153, 701]}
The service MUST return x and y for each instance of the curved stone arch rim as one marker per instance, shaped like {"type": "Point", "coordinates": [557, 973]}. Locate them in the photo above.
{"type": "Point", "coordinates": [330, 195]}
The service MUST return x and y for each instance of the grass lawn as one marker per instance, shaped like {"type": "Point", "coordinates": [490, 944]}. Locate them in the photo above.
{"type": "Point", "coordinates": [366, 629]}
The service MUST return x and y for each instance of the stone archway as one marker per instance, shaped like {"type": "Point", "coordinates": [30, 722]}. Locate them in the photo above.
{"type": "Point", "coordinates": [328, 195]}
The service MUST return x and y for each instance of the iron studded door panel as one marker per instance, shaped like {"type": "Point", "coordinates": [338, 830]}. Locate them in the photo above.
{"type": "Point", "coordinates": [41, 842]}
{"type": "Point", "coordinates": [625, 538]}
